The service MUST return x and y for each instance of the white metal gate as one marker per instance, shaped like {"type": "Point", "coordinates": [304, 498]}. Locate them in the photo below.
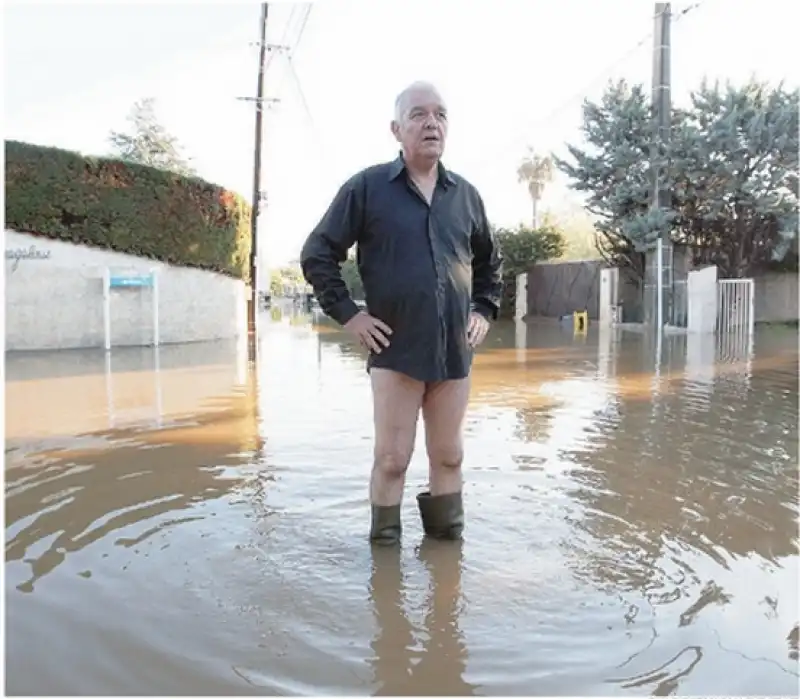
{"type": "Point", "coordinates": [736, 307]}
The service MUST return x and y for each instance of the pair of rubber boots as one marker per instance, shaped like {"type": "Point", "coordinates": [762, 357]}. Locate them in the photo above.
{"type": "Point", "coordinates": [442, 518]}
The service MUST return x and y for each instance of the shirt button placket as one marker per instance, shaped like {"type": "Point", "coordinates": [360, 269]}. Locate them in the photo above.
{"type": "Point", "coordinates": [441, 355]}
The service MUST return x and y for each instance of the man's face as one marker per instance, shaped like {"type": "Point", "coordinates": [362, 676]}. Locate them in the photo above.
{"type": "Point", "coordinates": [422, 129]}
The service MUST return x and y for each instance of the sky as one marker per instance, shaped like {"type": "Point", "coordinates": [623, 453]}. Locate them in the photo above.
{"type": "Point", "coordinates": [513, 73]}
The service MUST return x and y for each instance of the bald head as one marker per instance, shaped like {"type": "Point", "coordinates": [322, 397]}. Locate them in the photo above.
{"type": "Point", "coordinates": [420, 124]}
{"type": "Point", "coordinates": [415, 91]}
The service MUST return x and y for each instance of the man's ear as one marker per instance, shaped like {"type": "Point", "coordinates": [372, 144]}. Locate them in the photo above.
{"type": "Point", "coordinates": [395, 127]}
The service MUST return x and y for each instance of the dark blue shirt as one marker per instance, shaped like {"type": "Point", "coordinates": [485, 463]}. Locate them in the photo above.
{"type": "Point", "coordinates": [423, 267]}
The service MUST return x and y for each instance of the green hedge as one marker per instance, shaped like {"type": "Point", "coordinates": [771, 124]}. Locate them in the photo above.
{"type": "Point", "coordinates": [126, 207]}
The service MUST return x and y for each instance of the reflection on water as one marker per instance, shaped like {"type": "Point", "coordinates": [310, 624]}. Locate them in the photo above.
{"type": "Point", "coordinates": [632, 527]}
{"type": "Point", "coordinates": [402, 663]}
{"type": "Point", "coordinates": [118, 480]}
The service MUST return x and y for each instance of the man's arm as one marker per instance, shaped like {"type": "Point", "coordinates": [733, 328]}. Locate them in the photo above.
{"type": "Point", "coordinates": [487, 268]}
{"type": "Point", "coordinates": [326, 249]}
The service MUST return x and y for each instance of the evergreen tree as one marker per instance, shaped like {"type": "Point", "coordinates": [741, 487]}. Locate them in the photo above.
{"type": "Point", "coordinates": [614, 171]}
{"type": "Point", "coordinates": [731, 167]}
{"type": "Point", "coordinates": [148, 142]}
{"type": "Point", "coordinates": [735, 176]}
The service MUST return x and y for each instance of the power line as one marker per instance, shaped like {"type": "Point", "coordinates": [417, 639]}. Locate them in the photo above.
{"type": "Point", "coordinates": [288, 52]}
{"type": "Point", "coordinates": [522, 136]}
{"type": "Point", "coordinates": [320, 143]}
{"type": "Point", "coordinates": [286, 48]}
{"type": "Point", "coordinates": [301, 93]}
{"type": "Point", "coordinates": [308, 9]}
{"type": "Point", "coordinates": [283, 47]}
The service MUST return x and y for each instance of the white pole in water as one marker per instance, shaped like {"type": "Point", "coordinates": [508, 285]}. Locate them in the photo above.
{"type": "Point", "coordinates": [107, 308]}
{"type": "Point", "coordinates": [157, 373]}
{"type": "Point", "coordinates": [109, 391]}
{"type": "Point", "coordinates": [751, 315]}
{"type": "Point", "coordinates": [156, 326]}
{"type": "Point", "coordinates": [660, 285]}
{"type": "Point", "coordinates": [660, 302]}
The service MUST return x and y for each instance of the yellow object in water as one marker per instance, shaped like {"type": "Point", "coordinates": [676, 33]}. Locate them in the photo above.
{"type": "Point", "coordinates": [580, 322]}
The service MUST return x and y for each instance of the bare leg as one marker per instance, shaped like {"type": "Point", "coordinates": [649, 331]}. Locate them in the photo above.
{"type": "Point", "coordinates": [397, 400]}
{"type": "Point", "coordinates": [443, 410]}
{"type": "Point", "coordinates": [441, 507]}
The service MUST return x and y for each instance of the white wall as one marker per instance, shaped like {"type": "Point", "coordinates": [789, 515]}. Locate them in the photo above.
{"type": "Point", "coordinates": [54, 299]}
{"type": "Point", "coordinates": [776, 297]}
{"type": "Point", "coordinates": [609, 294]}
{"type": "Point", "coordinates": [521, 298]}
{"type": "Point", "coordinates": [701, 294]}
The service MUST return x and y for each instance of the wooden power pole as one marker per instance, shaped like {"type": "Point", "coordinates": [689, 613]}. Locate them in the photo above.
{"type": "Point", "coordinates": [252, 306]}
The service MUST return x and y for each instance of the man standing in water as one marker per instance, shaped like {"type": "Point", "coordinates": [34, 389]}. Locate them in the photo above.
{"type": "Point", "coordinates": [432, 276]}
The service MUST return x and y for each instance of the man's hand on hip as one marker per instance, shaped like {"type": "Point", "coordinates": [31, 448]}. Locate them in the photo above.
{"type": "Point", "coordinates": [369, 331]}
{"type": "Point", "coordinates": [477, 329]}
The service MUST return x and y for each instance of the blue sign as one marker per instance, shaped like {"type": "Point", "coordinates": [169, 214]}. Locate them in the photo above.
{"type": "Point", "coordinates": [145, 280]}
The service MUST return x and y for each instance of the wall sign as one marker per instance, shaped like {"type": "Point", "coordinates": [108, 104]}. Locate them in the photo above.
{"type": "Point", "coordinates": [128, 281]}
{"type": "Point", "coordinates": [31, 253]}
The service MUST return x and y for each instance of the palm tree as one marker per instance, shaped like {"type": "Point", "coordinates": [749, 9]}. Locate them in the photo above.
{"type": "Point", "coordinates": [535, 171]}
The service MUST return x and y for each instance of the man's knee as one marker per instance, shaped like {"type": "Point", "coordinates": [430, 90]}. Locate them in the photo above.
{"type": "Point", "coordinates": [393, 461]}
{"type": "Point", "coordinates": [447, 457]}
{"type": "Point", "coordinates": [397, 402]}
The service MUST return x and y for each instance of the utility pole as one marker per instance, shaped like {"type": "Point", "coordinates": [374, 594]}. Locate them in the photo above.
{"type": "Point", "coordinates": [252, 307]}
{"type": "Point", "coordinates": [661, 199]}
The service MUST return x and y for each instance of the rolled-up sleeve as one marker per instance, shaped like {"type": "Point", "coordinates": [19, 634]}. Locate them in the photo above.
{"type": "Point", "coordinates": [487, 267]}
{"type": "Point", "coordinates": [326, 249]}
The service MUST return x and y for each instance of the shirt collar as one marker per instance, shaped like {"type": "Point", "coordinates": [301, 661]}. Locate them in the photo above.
{"type": "Point", "coordinates": [399, 165]}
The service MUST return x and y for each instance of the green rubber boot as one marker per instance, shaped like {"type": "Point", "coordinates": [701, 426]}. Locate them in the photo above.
{"type": "Point", "coordinates": [442, 515]}
{"type": "Point", "coordinates": [386, 526]}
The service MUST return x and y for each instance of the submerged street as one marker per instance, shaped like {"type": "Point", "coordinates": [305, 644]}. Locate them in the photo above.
{"type": "Point", "coordinates": [177, 525]}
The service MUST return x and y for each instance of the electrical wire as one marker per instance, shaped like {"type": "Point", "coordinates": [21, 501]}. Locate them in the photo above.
{"type": "Point", "coordinates": [308, 9]}
{"type": "Point", "coordinates": [522, 136]}
{"type": "Point", "coordinates": [303, 21]}
{"type": "Point", "coordinates": [320, 142]}
{"type": "Point", "coordinates": [291, 49]}
{"type": "Point", "coordinates": [283, 40]}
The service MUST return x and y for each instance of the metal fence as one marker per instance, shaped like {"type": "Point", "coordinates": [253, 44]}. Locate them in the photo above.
{"type": "Point", "coordinates": [736, 310]}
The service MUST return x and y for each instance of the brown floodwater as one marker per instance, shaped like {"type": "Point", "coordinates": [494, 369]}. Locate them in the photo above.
{"type": "Point", "coordinates": [177, 524]}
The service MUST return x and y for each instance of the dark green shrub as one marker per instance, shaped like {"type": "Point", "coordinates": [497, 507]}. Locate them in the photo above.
{"type": "Point", "coordinates": [522, 248]}
{"type": "Point", "coordinates": [126, 207]}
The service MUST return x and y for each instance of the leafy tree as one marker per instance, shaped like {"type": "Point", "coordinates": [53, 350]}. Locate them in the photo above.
{"type": "Point", "coordinates": [275, 283]}
{"type": "Point", "coordinates": [730, 167]}
{"type": "Point", "coordinates": [577, 229]}
{"type": "Point", "coordinates": [536, 172]}
{"type": "Point", "coordinates": [522, 248]}
{"type": "Point", "coordinates": [285, 276]}
{"type": "Point", "coordinates": [352, 278]}
{"type": "Point", "coordinates": [614, 171]}
{"type": "Point", "coordinates": [735, 174]}
{"type": "Point", "coordinates": [148, 142]}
